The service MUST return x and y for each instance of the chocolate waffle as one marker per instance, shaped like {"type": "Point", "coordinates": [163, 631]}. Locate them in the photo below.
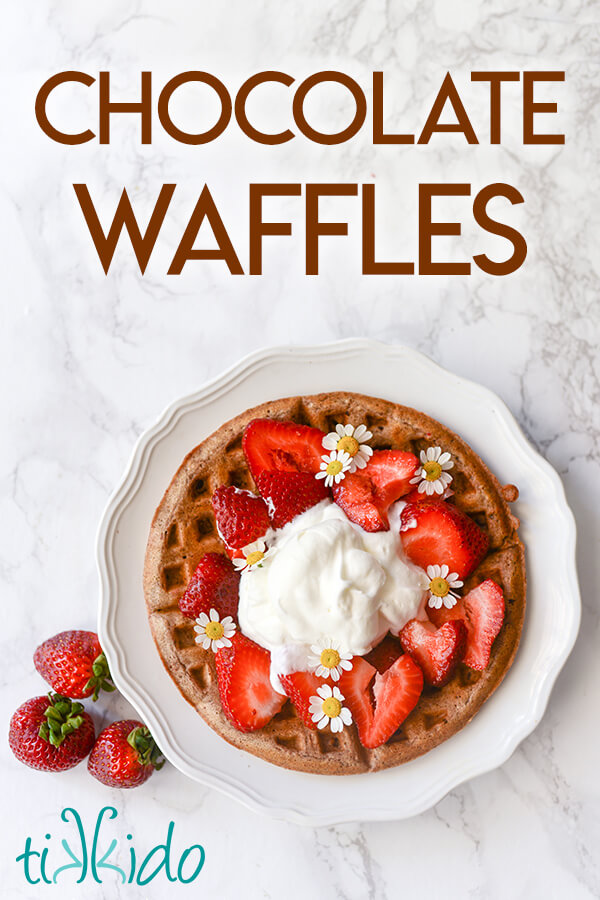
{"type": "Point", "coordinates": [184, 529]}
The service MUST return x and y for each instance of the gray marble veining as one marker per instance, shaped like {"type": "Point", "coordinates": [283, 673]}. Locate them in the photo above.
{"type": "Point", "coordinates": [90, 360]}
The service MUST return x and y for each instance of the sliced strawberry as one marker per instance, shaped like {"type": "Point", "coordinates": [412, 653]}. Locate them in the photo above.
{"type": "Point", "coordinates": [354, 685]}
{"type": "Point", "coordinates": [243, 677]}
{"type": "Point", "coordinates": [300, 687]}
{"type": "Point", "coordinates": [366, 495]}
{"type": "Point", "coordinates": [214, 585]}
{"type": "Point", "coordinates": [356, 496]}
{"type": "Point", "coordinates": [385, 653]}
{"type": "Point", "coordinates": [390, 472]}
{"type": "Point", "coordinates": [395, 694]}
{"type": "Point", "coordinates": [241, 516]}
{"type": "Point", "coordinates": [285, 446]}
{"type": "Point", "coordinates": [290, 493]}
{"type": "Point", "coordinates": [436, 651]}
{"type": "Point", "coordinates": [438, 533]}
{"type": "Point", "coordinates": [482, 611]}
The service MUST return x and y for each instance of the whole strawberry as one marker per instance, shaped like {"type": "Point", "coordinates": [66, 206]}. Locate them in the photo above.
{"type": "Point", "coordinates": [73, 664]}
{"type": "Point", "coordinates": [51, 733]}
{"type": "Point", "coordinates": [125, 755]}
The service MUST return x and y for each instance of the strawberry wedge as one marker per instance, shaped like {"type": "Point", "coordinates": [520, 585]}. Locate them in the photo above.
{"type": "Point", "coordinates": [290, 493]}
{"type": "Point", "coordinates": [366, 495]}
{"type": "Point", "coordinates": [482, 611]}
{"type": "Point", "coordinates": [390, 472]}
{"type": "Point", "coordinates": [384, 655]}
{"type": "Point", "coordinates": [214, 585]}
{"type": "Point", "coordinates": [395, 695]}
{"type": "Point", "coordinates": [243, 677]}
{"type": "Point", "coordinates": [270, 445]}
{"type": "Point", "coordinates": [436, 650]}
{"type": "Point", "coordinates": [241, 516]}
{"type": "Point", "coordinates": [300, 687]}
{"type": "Point", "coordinates": [438, 533]}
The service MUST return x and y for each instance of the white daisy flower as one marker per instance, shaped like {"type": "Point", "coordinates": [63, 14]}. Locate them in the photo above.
{"type": "Point", "coordinates": [432, 475]}
{"type": "Point", "coordinates": [328, 659]}
{"type": "Point", "coordinates": [441, 580]}
{"type": "Point", "coordinates": [352, 441]}
{"type": "Point", "coordinates": [214, 633]}
{"type": "Point", "coordinates": [326, 709]}
{"type": "Point", "coordinates": [334, 467]}
{"type": "Point", "coordinates": [254, 554]}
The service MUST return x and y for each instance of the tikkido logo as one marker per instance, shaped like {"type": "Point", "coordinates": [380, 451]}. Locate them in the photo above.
{"type": "Point", "coordinates": [90, 862]}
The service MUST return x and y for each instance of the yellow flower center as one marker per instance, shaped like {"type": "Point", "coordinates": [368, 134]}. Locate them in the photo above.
{"type": "Point", "coordinates": [254, 557]}
{"type": "Point", "coordinates": [432, 470]}
{"type": "Point", "coordinates": [214, 631]}
{"type": "Point", "coordinates": [349, 445]}
{"type": "Point", "coordinates": [439, 587]}
{"type": "Point", "coordinates": [334, 467]}
{"type": "Point", "coordinates": [332, 707]}
{"type": "Point", "coordinates": [330, 658]}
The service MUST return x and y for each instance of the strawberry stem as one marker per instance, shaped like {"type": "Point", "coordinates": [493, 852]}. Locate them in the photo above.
{"type": "Point", "coordinates": [147, 749]}
{"type": "Point", "coordinates": [62, 718]}
{"type": "Point", "coordinates": [101, 679]}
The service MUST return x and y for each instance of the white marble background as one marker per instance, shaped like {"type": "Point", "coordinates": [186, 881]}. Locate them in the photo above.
{"type": "Point", "coordinates": [89, 361]}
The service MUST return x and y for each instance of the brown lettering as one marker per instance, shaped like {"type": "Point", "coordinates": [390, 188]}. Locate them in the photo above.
{"type": "Point", "coordinates": [240, 108]}
{"type": "Point", "coordinates": [258, 228]}
{"type": "Point", "coordinates": [427, 229]}
{"type": "Point", "coordinates": [462, 125]}
{"type": "Point", "coordinates": [205, 208]}
{"type": "Point", "coordinates": [369, 265]}
{"type": "Point", "coordinates": [202, 137]}
{"type": "Point", "coordinates": [106, 107]}
{"type": "Point", "coordinates": [354, 126]}
{"type": "Point", "coordinates": [124, 218]}
{"type": "Point", "coordinates": [314, 228]}
{"type": "Point", "coordinates": [40, 108]}
{"type": "Point", "coordinates": [530, 108]}
{"type": "Point", "coordinates": [495, 79]}
{"type": "Point", "coordinates": [379, 137]}
{"type": "Point", "coordinates": [515, 237]}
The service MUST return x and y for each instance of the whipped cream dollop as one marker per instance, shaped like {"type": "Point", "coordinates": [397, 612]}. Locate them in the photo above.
{"type": "Point", "coordinates": [325, 578]}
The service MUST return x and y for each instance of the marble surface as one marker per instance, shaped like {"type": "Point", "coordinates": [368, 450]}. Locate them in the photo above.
{"type": "Point", "coordinates": [89, 361]}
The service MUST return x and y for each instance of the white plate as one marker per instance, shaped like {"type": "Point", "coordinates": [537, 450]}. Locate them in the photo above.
{"type": "Point", "coordinates": [547, 529]}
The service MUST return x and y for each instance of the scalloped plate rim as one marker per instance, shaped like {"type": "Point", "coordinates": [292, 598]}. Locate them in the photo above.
{"type": "Point", "coordinates": [126, 489]}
